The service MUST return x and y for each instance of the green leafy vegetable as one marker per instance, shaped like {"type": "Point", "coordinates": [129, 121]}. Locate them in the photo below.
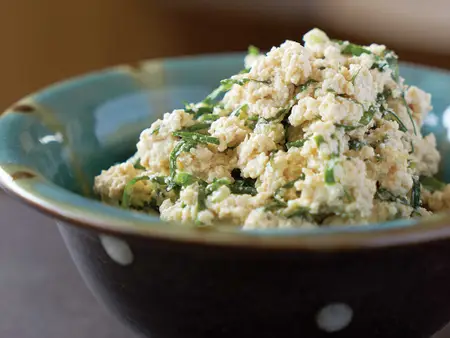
{"type": "Point", "coordinates": [367, 116]}
{"type": "Point", "coordinates": [137, 165]}
{"type": "Point", "coordinates": [179, 148]}
{"type": "Point", "coordinates": [329, 173]}
{"type": "Point", "coordinates": [184, 179]}
{"type": "Point", "coordinates": [128, 190]}
{"type": "Point", "coordinates": [196, 127]}
{"type": "Point", "coordinates": [252, 50]}
{"type": "Point", "coordinates": [306, 85]}
{"type": "Point", "coordinates": [245, 186]}
{"type": "Point", "coordinates": [385, 195]}
{"type": "Point", "coordinates": [415, 194]}
{"type": "Point", "coordinates": [216, 184]}
{"type": "Point", "coordinates": [240, 110]}
{"type": "Point", "coordinates": [297, 144]}
{"type": "Point", "coordinates": [196, 137]}
{"type": "Point", "coordinates": [356, 144]}
{"type": "Point", "coordinates": [275, 205]}
{"type": "Point", "coordinates": [408, 110]}
{"type": "Point", "coordinates": [319, 140]}
{"type": "Point", "coordinates": [155, 131]}
{"type": "Point", "coordinates": [432, 184]}
{"type": "Point", "coordinates": [356, 74]}
{"type": "Point", "coordinates": [245, 71]}
{"type": "Point", "coordinates": [355, 50]}
{"type": "Point", "coordinates": [209, 117]}
{"type": "Point", "coordinates": [392, 61]}
{"type": "Point", "coordinates": [299, 212]}
{"type": "Point", "coordinates": [390, 115]}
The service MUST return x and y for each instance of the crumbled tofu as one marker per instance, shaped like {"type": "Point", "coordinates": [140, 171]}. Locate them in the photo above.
{"type": "Point", "coordinates": [323, 134]}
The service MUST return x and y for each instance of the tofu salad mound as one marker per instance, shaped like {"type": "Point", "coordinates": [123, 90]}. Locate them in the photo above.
{"type": "Point", "coordinates": [321, 134]}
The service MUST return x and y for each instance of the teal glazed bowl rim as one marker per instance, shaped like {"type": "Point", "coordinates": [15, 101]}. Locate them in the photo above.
{"type": "Point", "coordinates": [21, 180]}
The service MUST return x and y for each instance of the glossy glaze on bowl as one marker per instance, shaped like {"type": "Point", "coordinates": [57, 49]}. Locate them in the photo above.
{"type": "Point", "coordinates": [168, 280]}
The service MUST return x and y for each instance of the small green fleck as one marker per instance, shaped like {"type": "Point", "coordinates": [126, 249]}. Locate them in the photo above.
{"type": "Point", "coordinates": [296, 144]}
{"type": "Point", "coordinates": [319, 140]}
{"type": "Point", "coordinates": [329, 173]}
{"type": "Point", "coordinates": [137, 165]}
{"type": "Point", "coordinates": [128, 190]}
{"type": "Point", "coordinates": [252, 50]}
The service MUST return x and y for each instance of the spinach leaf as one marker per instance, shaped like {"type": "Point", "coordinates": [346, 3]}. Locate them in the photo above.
{"type": "Point", "coordinates": [252, 50]}
{"type": "Point", "coordinates": [196, 127]}
{"type": "Point", "coordinates": [432, 184]}
{"type": "Point", "coordinates": [391, 116]}
{"type": "Point", "coordinates": [296, 144]}
{"type": "Point", "coordinates": [415, 194]}
{"type": "Point", "coordinates": [245, 186]}
{"type": "Point", "coordinates": [196, 137]}
{"type": "Point", "coordinates": [356, 144]}
{"type": "Point", "coordinates": [180, 147]}
{"type": "Point", "coordinates": [355, 50]}
{"type": "Point", "coordinates": [137, 165]}
{"type": "Point", "coordinates": [128, 190]}
{"type": "Point", "coordinates": [385, 195]}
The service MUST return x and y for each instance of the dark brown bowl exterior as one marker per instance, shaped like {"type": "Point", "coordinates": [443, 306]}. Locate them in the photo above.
{"type": "Point", "coordinates": [185, 290]}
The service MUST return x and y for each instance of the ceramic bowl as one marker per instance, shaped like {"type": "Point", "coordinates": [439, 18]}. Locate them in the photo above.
{"type": "Point", "coordinates": [172, 281]}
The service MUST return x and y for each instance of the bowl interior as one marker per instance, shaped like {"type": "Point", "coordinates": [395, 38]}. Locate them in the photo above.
{"type": "Point", "coordinates": [71, 131]}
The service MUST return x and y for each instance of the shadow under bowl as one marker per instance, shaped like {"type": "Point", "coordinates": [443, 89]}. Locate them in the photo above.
{"type": "Point", "coordinates": [170, 281]}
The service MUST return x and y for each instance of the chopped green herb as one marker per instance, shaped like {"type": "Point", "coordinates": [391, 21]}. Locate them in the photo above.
{"type": "Point", "coordinates": [137, 165]}
{"type": "Point", "coordinates": [299, 212]}
{"type": "Point", "coordinates": [385, 195]}
{"type": "Point", "coordinates": [201, 198]}
{"type": "Point", "coordinates": [356, 74]}
{"type": "Point", "coordinates": [408, 110]}
{"type": "Point", "coordinates": [184, 179]}
{"type": "Point", "coordinates": [364, 121]}
{"type": "Point", "coordinates": [296, 144]}
{"type": "Point", "coordinates": [415, 194]}
{"type": "Point", "coordinates": [227, 84]}
{"type": "Point", "coordinates": [432, 184]}
{"type": "Point", "coordinates": [161, 180]}
{"type": "Point", "coordinates": [155, 131]}
{"type": "Point", "coordinates": [209, 117]}
{"type": "Point", "coordinates": [391, 116]}
{"type": "Point", "coordinates": [280, 115]}
{"type": "Point", "coordinates": [319, 140]}
{"type": "Point", "coordinates": [240, 110]}
{"type": "Point", "coordinates": [128, 190]}
{"type": "Point", "coordinates": [355, 50]}
{"type": "Point", "coordinates": [356, 144]}
{"type": "Point", "coordinates": [195, 127]}
{"type": "Point", "coordinates": [252, 50]}
{"type": "Point", "coordinates": [367, 116]}
{"type": "Point", "coordinates": [246, 186]}
{"type": "Point", "coordinates": [346, 127]}
{"type": "Point", "coordinates": [305, 86]}
{"type": "Point", "coordinates": [392, 61]}
{"type": "Point", "coordinates": [196, 137]}
{"type": "Point", "coordinates": [245, 71]}
{"type": "Point", "coordinates": [329, 173]}
{"type": "Point", "coordinates": [182, 146]}
{"type": "Point", "coordinates": [348, 197]}
{"type": "Point", "coordinates": [275, 205]}
{"type": "Point", "coordinates": [216, 184]}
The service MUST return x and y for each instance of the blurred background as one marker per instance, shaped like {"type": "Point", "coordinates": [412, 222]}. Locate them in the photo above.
{"type": "Point", "coordinates": [47, 40]}
{"type": "Point", "coordinates": [43, 41]}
